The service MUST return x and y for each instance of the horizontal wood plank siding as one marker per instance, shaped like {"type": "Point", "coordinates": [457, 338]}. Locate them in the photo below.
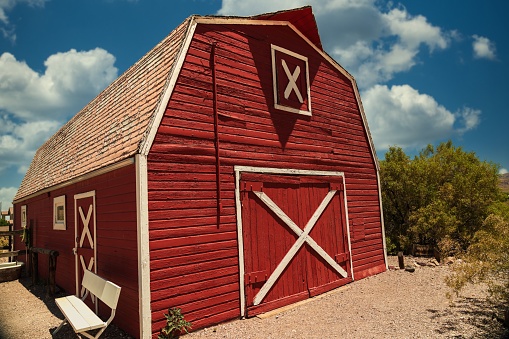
{"type": "Point", "coordinates": [194, 260]}
{"type": "Point", "coordinates": [116, 237]}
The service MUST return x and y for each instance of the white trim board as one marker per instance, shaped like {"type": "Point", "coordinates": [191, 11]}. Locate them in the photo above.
{"type": "Point", "coordinates": [146, 144]}
{"type": "Point", "coordinates": [142, 227]}
{"type": "Point", "coordinates": [89, 175]}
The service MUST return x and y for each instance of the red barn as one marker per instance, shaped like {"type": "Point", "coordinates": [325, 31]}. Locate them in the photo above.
{"type": "Point", "coordinates": [230, 171]}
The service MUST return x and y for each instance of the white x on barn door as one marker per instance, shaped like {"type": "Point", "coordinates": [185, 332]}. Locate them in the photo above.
{"type": "Point", "coordinates": [293, 236]}
{"type": "Point", "coordinates": [303, 236]}
{"type": "Point", "coordinates": [85, 250]}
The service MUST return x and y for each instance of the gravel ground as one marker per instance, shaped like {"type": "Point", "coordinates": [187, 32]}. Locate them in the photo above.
{"type": "Point", "coordinates": [394, 304]}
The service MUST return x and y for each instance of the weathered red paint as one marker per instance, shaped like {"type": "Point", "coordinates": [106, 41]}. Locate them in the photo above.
{"type": "Point", "coordinates": [189, 249]}
{"type": "Point", "coordinates": [116, 237]}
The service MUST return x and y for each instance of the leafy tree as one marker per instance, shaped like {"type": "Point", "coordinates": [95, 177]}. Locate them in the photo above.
{"type": "Point", "coordinates": [440, 198]}
{"type": "Point", "coordinates": [4, 222]}
{"type": "Point", "coordinates": [397, 196]}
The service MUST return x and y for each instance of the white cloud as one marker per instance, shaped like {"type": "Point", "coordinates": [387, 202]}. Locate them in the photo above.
{"type": "Point", "coordinates": [33, 106]}
{"type": "Point", "coordinates": [19, 141]}
{"type": "Point", "coordinates": [391, 47]}
{"type": "Point", "coordinates": [69, 82]}
{"type": "Point", "coordinates": [483, 48]}
{"type": "Point", "coordinates": [6, 196]}
{"type": "Point", "coordinates": [413, 31]}
{"type": "Point", "coordinates": [245, 8]}
{"type": "Point", "coordinates": [402, 116]}
{"type": "Point", "coordinates": [503, 171]}
{"type": "Point", "coordinates": [7, 29]}
{"type": "Point", "coordinates": [380, 65]}
{"type": "Point", "coordinates": [372, 43]}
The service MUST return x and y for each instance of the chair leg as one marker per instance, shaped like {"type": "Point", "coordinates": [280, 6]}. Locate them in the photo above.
{"type": "Point", "coordinates": [97, 335]}
{"type": "Point", "coordinates": [60, 326]}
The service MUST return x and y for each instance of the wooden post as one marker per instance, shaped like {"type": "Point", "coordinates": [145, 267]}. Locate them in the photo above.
{"type": "Point", "coordinates": [401, 260]}
{"type": "Point", "coordinates": [35, 267]}
{"type": "Point", "coordinates": [52, 271]}
{"type": "Point", "coordinates": [52, 265]}
{"type": "Point", "coordinates": [10, 241]}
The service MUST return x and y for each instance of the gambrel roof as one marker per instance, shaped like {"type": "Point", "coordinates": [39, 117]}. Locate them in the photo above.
{"type": "Point", "coordinates": [122, 120]}
{"type": "Point", "coordinates": [111, 126]}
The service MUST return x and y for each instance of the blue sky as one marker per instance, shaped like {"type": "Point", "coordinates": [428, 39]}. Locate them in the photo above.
{"type": "Point", "coordinates": [428, 71]}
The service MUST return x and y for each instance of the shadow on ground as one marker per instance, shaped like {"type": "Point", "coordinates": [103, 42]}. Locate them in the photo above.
{"type": "Point", "coordinates": [474, 312]}
{"type": "Point", "coordinates": [40, 291]}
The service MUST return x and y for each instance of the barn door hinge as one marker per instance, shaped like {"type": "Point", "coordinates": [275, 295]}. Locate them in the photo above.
{"type": "Point", "coordinates": [336, 186]}
{"type": "Point", "coordinates": [252, 186]}
{"type": "Point", "coordinates": [256, 277]}
{"type": "Point", "coordinates": [342, 257]}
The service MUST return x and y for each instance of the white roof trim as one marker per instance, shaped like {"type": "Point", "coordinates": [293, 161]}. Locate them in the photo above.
{"type": "Point", "coordinates": [88, 175]}
{"type": "Point", "coordinates": [161, 106]}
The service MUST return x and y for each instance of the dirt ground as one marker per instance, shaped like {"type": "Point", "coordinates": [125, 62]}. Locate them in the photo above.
{"type": "Point", "coordinates": [394, 304]}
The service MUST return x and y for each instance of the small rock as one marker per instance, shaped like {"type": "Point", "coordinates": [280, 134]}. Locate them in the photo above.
{"type": "Point", "coordinates": [421, 263]}
{"type": "Point", "coordinates": [410, 269]}
{"type": "Point", "coordinates": [449, 260]}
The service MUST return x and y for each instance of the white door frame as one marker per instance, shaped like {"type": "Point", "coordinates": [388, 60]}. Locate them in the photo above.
{"type": "Point", "coordinates": [238, 205]}
{"type": "Point", "coordinates": [88, 216]}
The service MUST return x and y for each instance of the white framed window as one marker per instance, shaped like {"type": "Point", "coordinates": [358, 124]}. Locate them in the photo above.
{"type": "Point", "coordinates": [290, 79]}
{"type": "Point", "coordinates": [59, 213]}
{"type": "Point", "coordinates": [24, 216]}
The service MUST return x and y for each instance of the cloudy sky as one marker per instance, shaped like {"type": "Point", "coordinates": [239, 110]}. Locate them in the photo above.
{"type": "Point", "coordinates": [428, 71]}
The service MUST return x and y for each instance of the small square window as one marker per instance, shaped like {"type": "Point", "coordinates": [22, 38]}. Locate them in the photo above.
{"type": "Point", "coordinates": [59, 213]}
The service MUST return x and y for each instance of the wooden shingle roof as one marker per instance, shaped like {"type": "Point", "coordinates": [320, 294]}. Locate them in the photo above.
{"type": "Point", "coordinates": [112, 126]}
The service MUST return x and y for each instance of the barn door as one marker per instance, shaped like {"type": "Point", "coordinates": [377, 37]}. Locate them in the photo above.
{"type": "Point", "coordinates": [85, 241]}
{"type": "Point", "coordinates": [295, 238]}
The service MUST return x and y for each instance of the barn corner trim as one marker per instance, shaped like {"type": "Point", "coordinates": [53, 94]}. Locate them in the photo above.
{"type": "Point", "coordinates": [142, 230]}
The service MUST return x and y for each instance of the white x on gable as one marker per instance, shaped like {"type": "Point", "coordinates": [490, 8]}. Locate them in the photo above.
{"type": "Point", "coordinates": [303, 237]}
{"type": "Point", "coordinates": [290, 75]}
{"type": "Point", "coordinates": [292, 84]}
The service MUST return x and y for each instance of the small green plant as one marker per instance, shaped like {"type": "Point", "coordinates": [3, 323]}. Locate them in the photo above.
{"type": "Point", "coordinates": [175, 324]}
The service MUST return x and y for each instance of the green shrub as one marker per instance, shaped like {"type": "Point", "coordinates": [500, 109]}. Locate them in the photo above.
{"type": "Point", "coordinates": [487, 259]}
{"type": "Point", "coordinates": [440, 197]}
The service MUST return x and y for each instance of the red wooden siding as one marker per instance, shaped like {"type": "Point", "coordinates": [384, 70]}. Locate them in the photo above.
{"type": "Point", "coordinates": [194, 261]}
{"type": "Point", "coordinates": [117, 258]}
